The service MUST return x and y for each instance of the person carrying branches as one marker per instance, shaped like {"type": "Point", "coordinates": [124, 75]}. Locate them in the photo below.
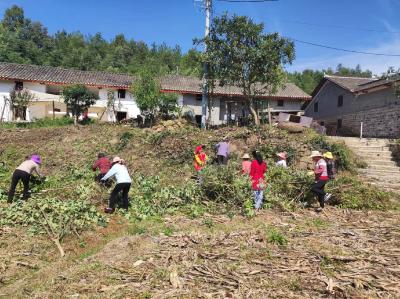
{"type": "Point", "coordinates": [321, 178]}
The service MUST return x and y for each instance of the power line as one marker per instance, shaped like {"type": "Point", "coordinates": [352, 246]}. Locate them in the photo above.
{"type": "Point", "coordinates": [344, 50]}
{"type": "Point", "coordinates": [342, 27]}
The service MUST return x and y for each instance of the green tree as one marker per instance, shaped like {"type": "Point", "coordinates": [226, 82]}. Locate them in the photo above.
{"type": "Point", "coordinates": [242, 55]}
{"type": "Point", "coordinates": [78, 98]}
{"type": "Point", "coordinates": [146, 90]}
{"type": "Point", "coordinates": [19, 100]}
{"type": "Point", "coordinates": [168, 104]}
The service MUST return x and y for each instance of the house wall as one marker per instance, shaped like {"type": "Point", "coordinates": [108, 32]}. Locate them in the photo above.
{"type": "Point", "coordinates": [378, 111]}
{"type": "Point", "coordinates": [191, 102]}
{"type": "Point", "coordinates": [5, 88]}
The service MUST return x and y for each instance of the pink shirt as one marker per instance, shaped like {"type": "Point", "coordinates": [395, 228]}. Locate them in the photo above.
{"type": "Point", "coordinates": [246, 166]}
{"type": "Point", "coordinates": [321, 170]}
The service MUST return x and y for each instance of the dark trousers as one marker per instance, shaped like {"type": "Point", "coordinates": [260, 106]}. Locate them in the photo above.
{"type": "Point", "coordinates": [17, 176]}
{"type": "Point", "coordinates": [318, 188]}
{"type": "Point", "coordinates": [222, 160]}
{"type": "Point", "coordinates": [124, 188]}
{"type": "Point", "coordinates": [106, 183]}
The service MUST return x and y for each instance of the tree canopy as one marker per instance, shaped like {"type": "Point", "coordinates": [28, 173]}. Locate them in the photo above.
{"type": "Point", "coordinates": [25, 41]}
{"type": "Point", "coordinates": [239, 53]}
{"type": "Point", "coordinates": [78, 98]}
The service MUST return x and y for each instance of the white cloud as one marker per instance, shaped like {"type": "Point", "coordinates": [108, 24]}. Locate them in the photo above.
{"type": "Point", "coordinates": [377, 64]}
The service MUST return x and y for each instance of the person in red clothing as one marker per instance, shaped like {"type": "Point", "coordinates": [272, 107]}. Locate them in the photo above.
{"type": "Point", "coordinates": [200, 160]}
{"type": "Point", "coordinates": [321, 178]}
{"type": "Point", "coordinates": [257, 175]}
{"type": "Point", "coordinates": [103, 164]}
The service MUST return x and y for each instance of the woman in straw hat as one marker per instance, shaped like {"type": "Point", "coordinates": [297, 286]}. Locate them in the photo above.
{"type": "Point", "coordinates": [246, 164]}
{"type": "Point", "coordinates": [321, 178]}
{"type": "Point", "coordinates": [119, 170]}
{"type": "Point", "coordinates": [282, 160]}
{"type": "Point", "coordinates": [23, 173]}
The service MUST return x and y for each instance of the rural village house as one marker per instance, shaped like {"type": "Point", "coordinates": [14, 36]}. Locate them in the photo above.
{"type": "Point", "coordinates": [343, 103]}
{"type": "Point", "coordinates": [47, 82]}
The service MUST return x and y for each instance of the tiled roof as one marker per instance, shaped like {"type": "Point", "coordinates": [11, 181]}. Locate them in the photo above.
{"type": "Point", "coordinates": [55, 75]}
{"type": "Point", "coordinates": [349, 83]}
{"type": "Point", "coordinates": [377, 83]}
{"type": "Point", "coordinates": [194, 85]}
{"type": "Point", "coordinates": [48, 74]}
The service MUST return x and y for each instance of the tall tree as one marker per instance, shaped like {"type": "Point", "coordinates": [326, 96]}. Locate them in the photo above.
{"type": "Point", "coordinates": [78, 98]}
{"type": "Point", "coordinates": [244, 56]}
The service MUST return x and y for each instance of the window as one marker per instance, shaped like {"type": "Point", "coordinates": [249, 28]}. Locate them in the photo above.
{"type": "Point", "coordinates": [340, 101]}
{"type": "Point", "coordinates": [19, 85]}
{"type": "Point", "coordinates": [57, 110]}
{"type": "Point", "coordinates": [121, 93]}
{"type": "Point", "coordinates": [280, 103]}
{"type": "Point", "coordinates": [339, 123]}
{"type": "Point", "coordinates": [322, 123]}
{"type": "Point", "coordinates": [199, 97]}
{"type": "Point", "coordinates": [315, 107]}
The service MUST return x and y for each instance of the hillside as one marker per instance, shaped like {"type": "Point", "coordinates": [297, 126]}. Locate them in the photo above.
{"type": "Point", "coordinates": [181, 242]}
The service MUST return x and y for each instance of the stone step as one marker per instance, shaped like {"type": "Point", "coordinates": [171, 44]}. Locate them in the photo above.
{"type": "Point", "coordinates": [375, 159]}
{"type": "Point", "coordinates": [367, 155]}
{"type": "Point", "coordinates": [383, 167]}
{"type": "Point", "coordinates": [381, 162]}
{"type": "Point", "coordinates": [387, 186]}
{"type": "Point", "coordinates": [375, 148]}
{"type": "Point", "coordinates": [381, 173]}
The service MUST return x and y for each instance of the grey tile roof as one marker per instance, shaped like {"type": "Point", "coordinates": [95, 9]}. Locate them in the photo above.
{"type": "Point", "coordinates": [377, 83]}
{"type": "Point", "coordinates": [48, 74]}
{"type": "Point", "coordinates": [56, 75]}
{"type": "Point", "coordinates": [194, 85]}
{"type": "Point", "coordinates": [349, 83]}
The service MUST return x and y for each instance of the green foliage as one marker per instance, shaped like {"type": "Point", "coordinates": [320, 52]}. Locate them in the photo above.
{"type": "Point", "coordinates": [168, 104]}
{"type": "Point", "coordinates": [351, 193]}
{"type": "Point", "coordinates": [124, 140]}
{"type": "Point", "coordinates": [146, 90]}
{"type": "Point", "coordinates": [40, 214]}
{"type": "Point", "coordinates": [240, 54]}
{"type": "Point", "coordinates": [225, 185]}
{"type": "Point", "coordinates": [275, 236]}
{"type": "Point", "coordinates": [78, 98]}
{"type": "Point", "coordinates": [46, 122]}
{"type": "Point", "coordinates": [26, 41]}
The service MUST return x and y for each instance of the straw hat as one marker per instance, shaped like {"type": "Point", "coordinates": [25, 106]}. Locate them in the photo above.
{"type": "Point", "coordinates": [117, 160]}
{"type": "Point", "coordinates": [328, 155]}
{"type": "Point", "coordinates": [315, 154]}
{"type": "Point", "coordinates": [246, 156]}
{"type": "Point", "coordinates": [281, 155]}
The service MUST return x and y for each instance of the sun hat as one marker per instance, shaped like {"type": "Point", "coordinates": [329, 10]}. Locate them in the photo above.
{"type": "Point", "coordinates": [117, 160]}
{"type": "Point", "coordinates": [315, 154]}
{"type": "Point", "coordinates": [281, 155]}
{"type": "Point", "coordinates": [36, 159]}
{"type": "Point", "coordinates": [246, 156]}
{"type": "Point", "coordinates": [328, 155]}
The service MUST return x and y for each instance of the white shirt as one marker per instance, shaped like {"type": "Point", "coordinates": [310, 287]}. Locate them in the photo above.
{"type": "Point", "coordinates": [281, 163]}
{"type": "Point", "coordinates": [120, 172]}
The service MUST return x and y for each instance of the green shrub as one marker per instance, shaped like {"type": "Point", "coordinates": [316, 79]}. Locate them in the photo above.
{"type": "Point", "coordinates": [46, 122]}
{"type": "Point", "coordinates": [275, 236]}
{"type": "Point", "coordinates": [225, 185]}
{"type": "Point", "coordinates": [354, 194]}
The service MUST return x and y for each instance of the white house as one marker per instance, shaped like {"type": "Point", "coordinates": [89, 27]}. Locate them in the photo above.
{"type": "Point", "coordinates": [46, 84]}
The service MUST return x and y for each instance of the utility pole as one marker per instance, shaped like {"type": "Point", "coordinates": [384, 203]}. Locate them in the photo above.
{"type": "Point", "coordinates": [204, 99]}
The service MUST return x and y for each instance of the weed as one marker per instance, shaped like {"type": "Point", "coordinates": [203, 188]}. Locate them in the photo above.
{"type": "Point", "coordinates": [137, 229]}
{"type": "Point", "coordinates": [124, 140]}
{"type": "Point", "coordinates": [275, 236]}
{"type": "Point", "coordinates": [208, 222]}
{"type": "Point", "coordinates": [168, 231]}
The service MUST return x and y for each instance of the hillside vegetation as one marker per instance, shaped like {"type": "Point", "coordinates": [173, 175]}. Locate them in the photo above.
{"type": "Point", "coordinates": [180, 240]}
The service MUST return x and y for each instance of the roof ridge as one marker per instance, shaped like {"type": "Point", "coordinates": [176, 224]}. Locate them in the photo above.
{"type": "Point", "coordinates": [348, 77]}
{"type": "Point", "coordinates": [62, 68]}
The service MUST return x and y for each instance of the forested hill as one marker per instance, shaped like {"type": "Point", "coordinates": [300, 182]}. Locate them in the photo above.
{"type": "Point", "coordinates": [25, 41]}
{"type": "Point", "coordinates": [29, 42]}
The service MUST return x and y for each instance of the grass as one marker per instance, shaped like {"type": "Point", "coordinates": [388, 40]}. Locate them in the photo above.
{"type": "Point", "coordinates": [275, 236]}
{"type": "Point", "coordinates": [40, 123]}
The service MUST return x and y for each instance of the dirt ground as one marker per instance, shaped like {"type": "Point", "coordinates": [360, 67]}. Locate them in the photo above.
{"type": "Point", "coordinates": [336, 254]}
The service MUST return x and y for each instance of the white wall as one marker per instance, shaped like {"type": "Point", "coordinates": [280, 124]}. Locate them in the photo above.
{"type": "Point", "coordinates": [5, 88]}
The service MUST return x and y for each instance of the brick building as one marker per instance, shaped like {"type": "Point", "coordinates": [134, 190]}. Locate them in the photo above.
{"type": "Point", "coordinates": [343, 103]}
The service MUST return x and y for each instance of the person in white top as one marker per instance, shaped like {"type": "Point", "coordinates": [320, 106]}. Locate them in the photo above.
{"type": "Point", "coordinates": [23, 173]}
{"type": "Point", "coordinates": [282, 160]}
{"type": "Point", "coordinates": [123, 185]}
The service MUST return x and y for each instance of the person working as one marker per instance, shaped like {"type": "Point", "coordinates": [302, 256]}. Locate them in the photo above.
{"type": "Point", "coordinates": [246, 164]}
{"type": "Point", "coordinates": [200, 161]}
{"type": "Point", "coordinates": [103, 164]}
{"type": "Point", "coordinates": [222, 151]}
{"type": "Point", "coordinates": [257, 175]}
{"type": "Point", "coordinates": [321, 178]}
{"type": "Point", "coordinates": [330, 164]}
{"type": "Point", "coordinates": [282, 160]}
{"type": "Point", "coordinates": [23, 173]}
{"type": "Point", "coordinates": [123, 184]}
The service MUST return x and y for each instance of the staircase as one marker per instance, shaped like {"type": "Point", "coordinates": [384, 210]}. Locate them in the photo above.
{"type": "Point", "coordinates": [381, 171]}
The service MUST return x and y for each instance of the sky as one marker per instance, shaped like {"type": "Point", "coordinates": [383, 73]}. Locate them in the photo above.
{"type": "Point", "coordinates": [361, 25]}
